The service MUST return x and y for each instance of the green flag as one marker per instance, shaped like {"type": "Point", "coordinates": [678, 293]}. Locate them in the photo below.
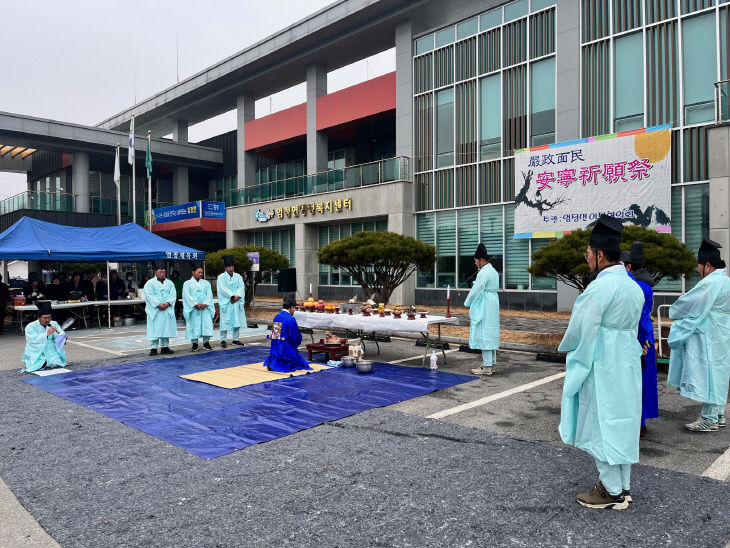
{"type": "Point", "coordinates": [148, 160]}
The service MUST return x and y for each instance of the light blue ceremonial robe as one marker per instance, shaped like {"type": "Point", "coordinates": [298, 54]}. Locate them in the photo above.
{"type": "Point", "coordinates": [601, 405]}
{"type": "Point", "coordinates": [699, 364]}
{"type": "Point", "coordinates": [483, 306]}
{"type": "Point", "coordinates": [160, 323]}
{"type": "Point", "coordinates": [198, 323]}
{"type": "Point", "coordinates": [232, 314]}
{"type": "Point", "coordinates": [41, 349]}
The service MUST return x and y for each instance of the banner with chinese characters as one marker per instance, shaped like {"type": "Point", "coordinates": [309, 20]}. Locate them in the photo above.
{"type": "Point", "coordinates": [567, 186]}
{"type": "Point", "coordinates": [303, 209]}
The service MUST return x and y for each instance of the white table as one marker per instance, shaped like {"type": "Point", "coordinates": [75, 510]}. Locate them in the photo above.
{"type": "Point", "coordinates": [29, 308]}
{"type": "Point", "coordinates": [374, 323]}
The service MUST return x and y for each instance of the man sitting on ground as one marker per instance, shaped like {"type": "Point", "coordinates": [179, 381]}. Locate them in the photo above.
{"type": "Point", "coordinates": [285, 340]}
{"type": "Point", "coordinates": [44, 341]}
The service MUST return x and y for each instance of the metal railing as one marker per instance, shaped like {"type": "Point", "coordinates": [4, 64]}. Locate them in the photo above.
{"type": "Point", "coordinates": [382, 171]}
{"type": "Point", "coordinates": [722, 101]}
{"type": "Point", "coordinates": [40, 201]}
{"type": "Point", "coordinates": [108, 206]}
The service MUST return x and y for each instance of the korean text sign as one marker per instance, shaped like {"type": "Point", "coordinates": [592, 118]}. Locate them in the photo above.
{"type": "Point", "coordinates": [569, 185]}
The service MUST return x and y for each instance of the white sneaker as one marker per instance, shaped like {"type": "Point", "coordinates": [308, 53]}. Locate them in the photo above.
{"type": "Point", "coordinates": [482, 371]}
{"type": "Point", "coordinates": [701, 425]}
{"type": "Point", "coordinates": [721, 421]}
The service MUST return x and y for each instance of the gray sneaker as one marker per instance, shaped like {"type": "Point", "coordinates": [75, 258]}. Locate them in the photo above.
{"type": "Point", "coordinates": [721, 421]}
{"type": "Point", "coordinates": [701, 425]}
{"type": "Point", "coordinates": [482, 371]}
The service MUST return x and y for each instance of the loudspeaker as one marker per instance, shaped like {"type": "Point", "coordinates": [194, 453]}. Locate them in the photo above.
{"type": "Point", "coordinates": [287, 280]}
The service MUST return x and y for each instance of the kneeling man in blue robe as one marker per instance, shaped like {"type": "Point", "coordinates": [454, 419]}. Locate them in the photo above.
{"type": "Point", "coordinates": [285, 340]}
{"type": "Point", "coordinates": [44, 341]}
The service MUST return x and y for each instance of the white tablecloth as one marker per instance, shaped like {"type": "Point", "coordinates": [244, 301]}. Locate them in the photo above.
{"type": "Point", "coordinates": [82, 304]}
{"type": "Point", "coordinates": [370, 324]}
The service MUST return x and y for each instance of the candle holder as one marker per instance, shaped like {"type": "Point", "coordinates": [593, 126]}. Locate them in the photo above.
{"type": "Point", "coordinates": [448, 307]}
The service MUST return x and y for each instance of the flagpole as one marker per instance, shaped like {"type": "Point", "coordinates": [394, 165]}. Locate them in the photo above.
{"type": "Point", "coordinates": [119, 190]}
{"type": "Point", "coordinates": [134, 172]}
{"type": "Point", "coordinates": [149, 182]}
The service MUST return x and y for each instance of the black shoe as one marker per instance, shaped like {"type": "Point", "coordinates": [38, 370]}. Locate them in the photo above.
{"type": "Point", "coordinates": [237, 343]}
{"type": "Point", "coordinates": [223, 344]}
{"type": "Point", "coordinates": [207, 346]}
{"type": "Point", "coordinates": [166, 350]}
{"type": "Point", "coordinates": [194, 348]}
{"type": "Point", "coordinates": [153, 352]}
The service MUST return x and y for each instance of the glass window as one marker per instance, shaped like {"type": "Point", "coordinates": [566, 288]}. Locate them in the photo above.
{"type": "Point", "coordinates": [546, 282]}
{"type": "Point", "coordinates": [492, 230]}
{"type": "Point", "coordinates": [629, 83]}
{"type": "Point", "coordinates": [516, 254]}
{"type": "Point", "coordinates": [699, 53]}
{"type": "Point", "coordinates": [515, 10]}
{"type": "Point", "coordinates": [446, 249]}
{"type": "Point", "coordinates": [490, 107]}
{"type": "Point", "coordinates": [467, 28]}
{"type": "Point", "coordinates": [697, 222]}
{"type": "Point", "coordinates": [542, 100]}
{"type": "Point", "coordinates": [536, 5]}
{"type": "Point", "coordinates": [445, 128]}
{"type": "Point", "coordinates": [445, 37]}
{"type": "Point", "coordinates": [468, 223]}
{"type": "Point", "coordinates": [424, 44]}
{"type": "Point", "coordinates": [667, 284]}
{"type": "Point", "coordinates": [490, 19]}
{"type": "Point", "coordinates": [425, 233]}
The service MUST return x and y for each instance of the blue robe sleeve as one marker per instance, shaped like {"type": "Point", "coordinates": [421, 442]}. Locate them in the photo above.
{"type": "Point", "coordinates": [293, 335]}
{"type": "Point", "coordinates": [646, 328]}
{"type": "Point", "coordinates": [580, 342]}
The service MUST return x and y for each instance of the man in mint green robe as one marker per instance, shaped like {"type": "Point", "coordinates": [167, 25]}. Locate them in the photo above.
{"type": "Point", "coordinates": [44, 341]}
{"type": "Point", "coordinates": [198, 309]}
{"type": "Point", "coordinates": [699, 364]}
{"type": "Point", "coordinates": [601, 404]}
{"type": "Point", "coordinates": [483, 306]}
{"type": "Point", "coordinates": [160, 295]}
{"type": "Point", "coordinates": [230, 301]}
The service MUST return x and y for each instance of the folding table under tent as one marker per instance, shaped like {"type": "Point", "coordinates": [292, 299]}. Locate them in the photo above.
{"type": "Point", "coordinates": [31, 239]}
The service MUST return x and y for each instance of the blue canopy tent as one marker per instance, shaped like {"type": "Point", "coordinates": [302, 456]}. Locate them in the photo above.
{"type": "Point", "coordinates": [31, 239]}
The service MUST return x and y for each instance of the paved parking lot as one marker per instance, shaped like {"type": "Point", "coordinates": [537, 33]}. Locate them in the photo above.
{"type": "Point", "coordinates": [477, 464]}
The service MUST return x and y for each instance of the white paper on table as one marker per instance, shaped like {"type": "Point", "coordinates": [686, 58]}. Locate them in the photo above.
{"type": "Point", "coordinates": [56, 371]}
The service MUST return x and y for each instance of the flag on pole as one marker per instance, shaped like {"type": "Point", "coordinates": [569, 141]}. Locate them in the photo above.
{"type": "Point", "coordinates": [130, 155]}
{"type": "Point", "coordinates": [148, 159]}
{"type": "Point", "coordinates": [117, 173]}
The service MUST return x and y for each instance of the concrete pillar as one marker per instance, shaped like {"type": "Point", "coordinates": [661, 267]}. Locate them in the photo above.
{"type": "Point", "coordinates": [316, 141]}
{"type": "Point", "coordinates": [246, 160]}
{"type": "Point", "coordinates": [180, 184]}
{"type": "Point", "coordinates": [307, 245]}
{"type": "Point", "coordinates": [718, 141]}
{"type": "Point", "coordinates": [567, 98]}
{"type": "Point", "coordinates": [180, 131]}
{"type": "Point", "coordinates": [80, 180]}
{"type": "Point", "coordinates": [404, 90]}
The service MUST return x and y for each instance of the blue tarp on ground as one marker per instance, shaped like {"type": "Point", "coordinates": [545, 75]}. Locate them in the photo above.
{"type": "Point", "coordinates": [31, 239]}
{"type": "Point", "coordinates": [210, 421]}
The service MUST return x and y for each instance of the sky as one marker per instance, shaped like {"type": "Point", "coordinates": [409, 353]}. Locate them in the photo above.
{"type": "Point", "coordinates": [83, 61]}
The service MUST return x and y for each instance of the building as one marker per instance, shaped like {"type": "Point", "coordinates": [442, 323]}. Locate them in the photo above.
{"type": "Point", "coordinates": [428, 150]}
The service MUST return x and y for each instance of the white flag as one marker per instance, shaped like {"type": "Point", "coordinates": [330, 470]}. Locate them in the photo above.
{"type": "Point", "coordinates": [130, 156]}
{"type": "Point", "coordinates": [117, 174]}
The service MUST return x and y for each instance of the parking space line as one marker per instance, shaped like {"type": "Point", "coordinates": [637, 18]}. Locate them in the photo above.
{"type": "Point", "coordinates": [69, 341]}
{"type": "Point", "coordinates": [720, 469]}
{"type": "Point", "coordinates": [494, 397]}
{"type": "Point", "coordinates": [421, 356]}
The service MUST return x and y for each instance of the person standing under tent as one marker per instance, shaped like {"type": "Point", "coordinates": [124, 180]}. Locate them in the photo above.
{"type": "Point", "coordinates": [699, 363]}
{"type": "Point", "coordinates": [633, 262]}
{"type": "Point", "coordinates": [4, 300]}
{"type": "Point", "coordinates": [198, 308]}
{"type": "Point", "coordinates": [44, 341]}
{"type": "Point", "coordinates": [284, 356]}
{"type": "Point", "coordinates": [483, 306]}
{"type": "Point", "coordinates": [230, 301]}
{"type": "Point", "coordinates": [601, 403]}
{"type": "Point", "coordinates": [159, 295]}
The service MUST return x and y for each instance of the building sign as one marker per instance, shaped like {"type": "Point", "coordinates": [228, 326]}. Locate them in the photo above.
{"type": "Point", "coordinates": [567, 186]}
{"type": "Point", "coordinates": [191, 210]}
{"type": "Point", "coordinates": [253, 256]}
{"type": "Point", "coordinates": [304, 209]}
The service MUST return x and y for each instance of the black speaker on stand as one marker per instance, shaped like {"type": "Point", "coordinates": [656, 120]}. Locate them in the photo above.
{"type": "Point", "coordinates": [287, 280]}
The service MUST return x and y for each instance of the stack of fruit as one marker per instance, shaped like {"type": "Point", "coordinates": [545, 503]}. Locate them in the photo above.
{"type": "Point", "coordinates": [397, 311]}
